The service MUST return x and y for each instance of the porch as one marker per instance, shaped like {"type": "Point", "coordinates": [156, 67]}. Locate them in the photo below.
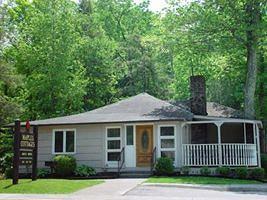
{"type": "Point", "coordinates": [220, 143]}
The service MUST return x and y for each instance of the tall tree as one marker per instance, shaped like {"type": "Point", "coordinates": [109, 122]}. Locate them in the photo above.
{"type": "Point", "coordinates": [45, 51]}
{"type": "Point", "coordinates": [9, 79]}
{"type": "Point", "coordinates": [223, 34]}
{"type": "Point", "coordinates": [97, 56]}
{"type": "Point", "coordinates": [252, 24]}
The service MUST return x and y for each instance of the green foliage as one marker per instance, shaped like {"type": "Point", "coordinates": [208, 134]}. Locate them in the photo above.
{"type": "Point", "coordinates": [185, 170]}
{"type": "Point", "coordinates": [8, 173]}
{"type": "Point", "coordinates": [164, 166]}
{"type": "Point", "coordinates": [45, 52]}
{"type": "Point", "coordinates": [10, 80]}
{"type": "Point", "coordinates": [43, 172]}
{"type": "Point", "coordinates": [257, 173]}
{"type": "Point", "coordinates": [205, 171]}
{"type": "Point", "coordinates": [241, 172]}
{"type": "Point", "coordinates": [223, 171]}
{"type": "Point", "coordinates": [80, 56]}
{"type": "Point", "coordinates": [93, 53]}
{"type": "Point", "coordinates": [6, 162]}
{"type": "Point", "coordinates": [6, 150]}
{"type": "Point", "coordinates": [65, 165]}
{"type": "Point", "coordinates": [84, 171]}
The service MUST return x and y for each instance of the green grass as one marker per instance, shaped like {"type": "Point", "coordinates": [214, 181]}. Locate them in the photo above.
{"type": "Point", "coordinates": [199, 180]}
{"type": "Point", "coordinates": [45, 186]}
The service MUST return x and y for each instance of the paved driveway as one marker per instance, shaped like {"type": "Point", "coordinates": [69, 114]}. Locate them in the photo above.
{"type": "Point", "coordinates": [132, 189]}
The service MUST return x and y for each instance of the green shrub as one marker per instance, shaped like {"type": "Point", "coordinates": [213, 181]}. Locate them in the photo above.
{"type": "Point", "coordinates": [205, 171]}
{"type": "Point", "coordinates": [6, 149]}
{"type": "Point", "coordinates": [257, 173]}
{"type": "Point", "coordinates": [164, 166]}
{"type": "Point", "coordinates": [264, 162]}
{"type": "Point", "coordinates": [223, 171]}
{"type": "Point", "coordinates": [43, 172]}
{"type": "Point", "coordinates": [185, 170]}
{"type": "Point", "coordinates": [84, 171]}
{"type": "Point", "coordinates": [6, 162]}
{"type": "Point", "coordinates": [65, 165]}
{"type": "Point", "coordinates": [241, 172]}
{"type": "Point", "coordinates": [9, 173]}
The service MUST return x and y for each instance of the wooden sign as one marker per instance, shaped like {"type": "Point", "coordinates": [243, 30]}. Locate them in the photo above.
{"type": "Point", "coordinates": [26, 157]}
{"type": "Point", "coordinates": [27, 141]}
{"type": "Point", "coordinates": [25, 150]}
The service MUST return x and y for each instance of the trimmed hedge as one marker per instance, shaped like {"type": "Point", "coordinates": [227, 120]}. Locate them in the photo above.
{"type": "Point", "coordinates": [65, 165]}
{"type": "Point", "coordinates": [164, 166]}
{"type": "Point", "coordinates": [223, 171]}
{"type": "Point", "coordinates": [205, 171]}
{"type": "Point", "coordinates": [264, 162]}
{"type": "Point", "coordinates": [257, 173]}
{"type": "Point", "coordinates": [84, 171]}
{"type": "Point", "coordinates": [43, 172]}
{"type": "Point", "coordinates": [185, 170]}
{"type": "Point", "coordinates": [241, 172]}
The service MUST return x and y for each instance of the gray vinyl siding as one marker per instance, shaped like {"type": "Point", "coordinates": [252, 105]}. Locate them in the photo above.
{"type": "Point", "coordinates": [91, 142]}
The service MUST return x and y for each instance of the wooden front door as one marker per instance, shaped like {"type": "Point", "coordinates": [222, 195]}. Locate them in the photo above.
{"type": "Point", "coordinates": [144, 145]}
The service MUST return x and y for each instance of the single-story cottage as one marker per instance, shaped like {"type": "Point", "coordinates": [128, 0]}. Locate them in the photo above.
{"type": "Point", "coordinates": [132, 133]}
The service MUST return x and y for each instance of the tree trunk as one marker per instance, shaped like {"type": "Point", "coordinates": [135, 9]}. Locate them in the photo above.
{"type": "Point", "coordinates": [261, 100]}
{"type": "Point", "coordinates": [261, 89]}
{"type": "Point", "coordinates": [252, 11]}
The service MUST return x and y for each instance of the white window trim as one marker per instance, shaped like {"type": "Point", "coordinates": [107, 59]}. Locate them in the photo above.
{"type": "Point", "coordinates": [167, 137]}
{"type": "Point", "coordinates": [64, 142]}
{"type": "Point", "coordinates": [134, 134]}
{"type": "Point", "coordinates": [112, 163]}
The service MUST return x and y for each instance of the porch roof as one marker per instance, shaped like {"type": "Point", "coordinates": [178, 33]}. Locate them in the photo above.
{"type": "Point", "coordinates": [199, 119]}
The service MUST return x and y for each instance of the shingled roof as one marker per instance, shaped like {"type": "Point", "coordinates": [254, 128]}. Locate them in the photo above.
{"type": "Point", "coordinates": [213, 109]}
{"type": "Point", "coordinates": [217, 110]}
{"type": "Point", "coordinates": [140, 108]}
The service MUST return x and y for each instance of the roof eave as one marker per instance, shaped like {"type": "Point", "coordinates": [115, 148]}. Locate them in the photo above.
{"type": "Point", "coordinates": [104, 122]}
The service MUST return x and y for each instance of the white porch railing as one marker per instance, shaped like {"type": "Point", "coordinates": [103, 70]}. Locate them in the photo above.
{"type": "Point", "coordinates": [219, 155]}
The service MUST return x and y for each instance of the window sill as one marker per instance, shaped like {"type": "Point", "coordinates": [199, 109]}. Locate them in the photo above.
{"type": "Point", "coordinates": [63, 153]}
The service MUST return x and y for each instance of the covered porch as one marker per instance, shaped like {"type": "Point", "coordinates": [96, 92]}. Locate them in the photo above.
{"type": "Point", "coordinates": [220, 142]}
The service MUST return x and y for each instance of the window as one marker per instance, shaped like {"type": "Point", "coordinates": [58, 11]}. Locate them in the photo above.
{"type": "Point", "coordinates": [63, 141]}
{"type": "Point", "coordinates": [129, 135]}
{"type": "Point", "coordinates": [167, 141]}
{"type": "Point", "coordinates": [113, 145]}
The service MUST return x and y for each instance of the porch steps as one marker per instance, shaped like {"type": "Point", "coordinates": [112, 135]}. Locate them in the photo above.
{"type": "Point", "coordinates": [135, 174]}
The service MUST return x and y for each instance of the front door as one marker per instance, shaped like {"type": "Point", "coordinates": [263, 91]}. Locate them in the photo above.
{"type": "Point", "coordinates": [144, 145]}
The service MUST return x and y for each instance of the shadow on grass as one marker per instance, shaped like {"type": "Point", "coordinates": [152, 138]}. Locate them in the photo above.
{"type": "Point", "coordinates": [10, 185]}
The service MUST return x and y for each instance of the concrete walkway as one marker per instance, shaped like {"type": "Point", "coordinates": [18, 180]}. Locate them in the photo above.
{"type": "Point", "coordinates": [234, 188]}
{"type": "Point", "coordinates": [111, 187]}
{"type": "Point", "coordinates": [135, 189]}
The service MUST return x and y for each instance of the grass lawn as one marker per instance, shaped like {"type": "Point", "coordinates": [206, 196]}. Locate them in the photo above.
{"type": "Point", "coordinates": [45, 186]}
{"type": "Point", "coordinates": [199, 180]}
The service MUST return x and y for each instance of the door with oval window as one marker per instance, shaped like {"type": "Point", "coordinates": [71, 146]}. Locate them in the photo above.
{"type": "Point", "coordinates": [144, 145]}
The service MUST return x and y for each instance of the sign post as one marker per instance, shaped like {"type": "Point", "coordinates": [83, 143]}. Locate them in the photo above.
{"type": "Point", "coordinates": [25, 150]}
{"type": "Point", "coordinates": [16, 152]}
{"type": "Point", "coordinates": [34, 163]}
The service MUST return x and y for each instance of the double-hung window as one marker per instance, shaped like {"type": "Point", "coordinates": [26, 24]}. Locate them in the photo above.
{"type": "Point", "coordinates": [167, 141]}
{"type": "Point", "coordinates": [113, 145]}
{"type": "Point", "coordinates": [64, 141]}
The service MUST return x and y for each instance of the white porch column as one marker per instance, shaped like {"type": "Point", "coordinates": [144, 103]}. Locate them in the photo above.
{"type": "Point", "coordinates": [219, 124]}
{"type": "Point", "coordinates": [245, 133]}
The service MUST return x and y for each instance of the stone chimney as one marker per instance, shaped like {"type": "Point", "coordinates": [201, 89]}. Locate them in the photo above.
{"type": "Point", "coordinates": [198, 101]}
{"type": "Point", "coordinates": [198, 104]}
